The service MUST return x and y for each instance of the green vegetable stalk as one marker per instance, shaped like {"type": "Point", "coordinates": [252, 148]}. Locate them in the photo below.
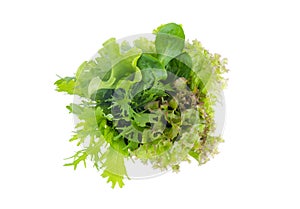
{"type": "Point", "coordinates": [151, 100]}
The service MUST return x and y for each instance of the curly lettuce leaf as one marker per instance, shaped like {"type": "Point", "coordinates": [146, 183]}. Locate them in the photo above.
{"type": "Point", "coordinates": [66, 84]}
{"type": "Point", "coordinates": [114, 167]}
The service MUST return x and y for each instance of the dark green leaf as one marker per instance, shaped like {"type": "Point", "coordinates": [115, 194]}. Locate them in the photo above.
{"type": "Point", "coordinates": [169, 42]}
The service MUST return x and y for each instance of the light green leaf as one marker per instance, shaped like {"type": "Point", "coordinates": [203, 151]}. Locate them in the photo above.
{"type": "Point", "coordinates": [94, 85]}
{"type": "Point", "coordinates": [66, 84]}
{"type": "Point", "coordinates": [114, 167]}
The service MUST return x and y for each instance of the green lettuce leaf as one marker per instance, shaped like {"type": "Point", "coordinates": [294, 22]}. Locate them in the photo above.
{"type": "Point", "coordinates": [169, 42]}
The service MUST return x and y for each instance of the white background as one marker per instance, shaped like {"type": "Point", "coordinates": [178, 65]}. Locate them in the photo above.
{"type": "Point", "coordinates": [258, 166]}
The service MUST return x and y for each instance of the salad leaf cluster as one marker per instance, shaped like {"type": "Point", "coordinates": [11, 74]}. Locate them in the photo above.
{"type": "Point", "coordinates": [151, 100]}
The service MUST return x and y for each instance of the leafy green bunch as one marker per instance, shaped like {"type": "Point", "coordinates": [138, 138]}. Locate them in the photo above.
{"type": "Point", "coordinates": [149, 100]}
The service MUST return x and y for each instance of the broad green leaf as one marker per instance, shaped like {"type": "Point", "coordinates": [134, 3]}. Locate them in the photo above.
{"type": "Point", "coordinates": [153, 67]}
{"type": "Point", "coordinates": [169, 42]}
{"type": "Point", "coordinates": [181, 65]}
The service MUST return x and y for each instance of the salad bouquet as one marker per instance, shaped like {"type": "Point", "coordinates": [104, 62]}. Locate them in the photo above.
{"type": "Point", "coordinates": [148, 99]}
